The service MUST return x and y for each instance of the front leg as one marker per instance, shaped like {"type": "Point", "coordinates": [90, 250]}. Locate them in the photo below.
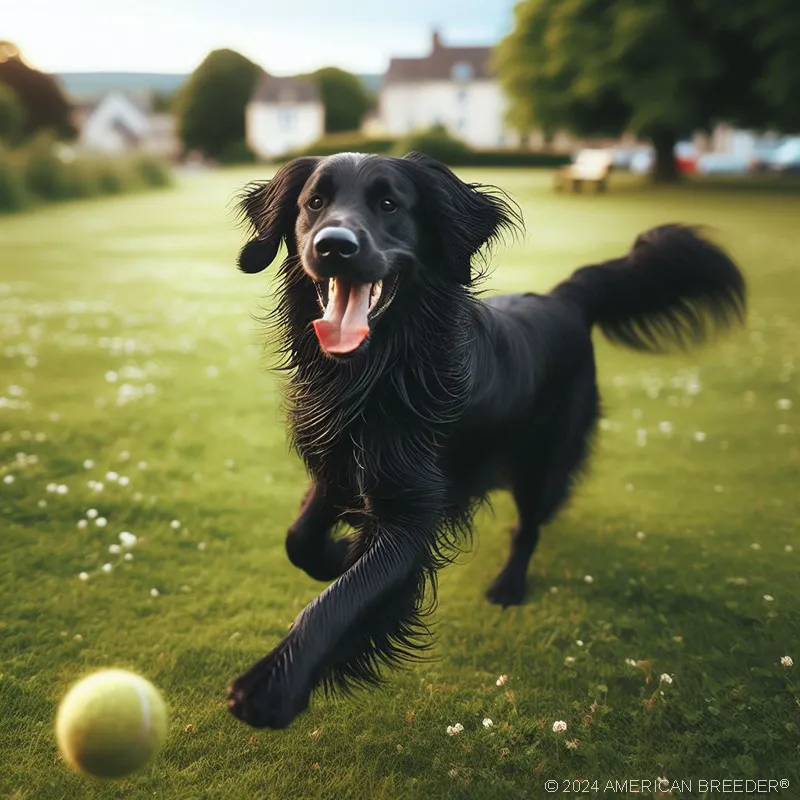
{"type": "Point", "coordinates": [309, 541]}
{"type": "Point", "coordinates": [366, 617]}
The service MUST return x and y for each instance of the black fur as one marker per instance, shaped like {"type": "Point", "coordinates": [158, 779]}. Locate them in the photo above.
{"type": "Point", "coordinates": [449, 398]}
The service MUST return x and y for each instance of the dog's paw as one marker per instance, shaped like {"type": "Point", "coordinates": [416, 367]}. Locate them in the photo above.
{"type": "Point", "coordinates": [264, 698]}
{"type": "Point", "coordinates": [506, 590]}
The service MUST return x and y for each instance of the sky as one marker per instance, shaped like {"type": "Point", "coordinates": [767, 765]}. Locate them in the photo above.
{"type": "Point", "coordinates": [282, 36]}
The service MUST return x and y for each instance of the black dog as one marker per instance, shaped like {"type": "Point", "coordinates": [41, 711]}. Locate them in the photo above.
{"type": "Point", "coordinates": [409, 399]}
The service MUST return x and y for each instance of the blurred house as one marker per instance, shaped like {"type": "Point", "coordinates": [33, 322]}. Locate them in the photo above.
{"type": "Point", "coordinates": [452, 86]}
{"type": "Point", "coordinates": [284, 114]}
{"type": "Point", "coordinates": [120, 123]}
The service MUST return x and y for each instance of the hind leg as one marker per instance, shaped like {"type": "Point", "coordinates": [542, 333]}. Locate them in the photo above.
{"type": "Point", "coordinates": [541, 484]}
{"type": "Point", "coordinates": [508, 588]}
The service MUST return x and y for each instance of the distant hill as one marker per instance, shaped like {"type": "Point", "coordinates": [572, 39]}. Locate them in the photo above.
{"type": "Point", "coordinates": [87, 85]}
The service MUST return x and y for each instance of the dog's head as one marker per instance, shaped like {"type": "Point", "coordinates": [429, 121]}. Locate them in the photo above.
{"type": "Point", "coordinates": [365, 228]}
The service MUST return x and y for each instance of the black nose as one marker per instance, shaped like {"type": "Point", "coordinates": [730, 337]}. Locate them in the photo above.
{"type": "Point", "coordinates": [336, 243]}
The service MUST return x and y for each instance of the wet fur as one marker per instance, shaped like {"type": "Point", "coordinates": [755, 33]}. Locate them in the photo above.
{"type": "Point", "coordinates": [453, 397]}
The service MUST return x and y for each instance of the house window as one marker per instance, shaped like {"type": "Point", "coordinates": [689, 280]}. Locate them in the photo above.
{"type": "Point", "coordinates": [287, 119]}
{"type": "Point", "coordinates": [462, 72]}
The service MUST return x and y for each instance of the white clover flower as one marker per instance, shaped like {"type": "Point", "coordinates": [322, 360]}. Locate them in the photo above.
{"type": "Point", "coordinates": [142, 465]}
{"type": "Point", "coordinates": [453, 730]}
{"type": "Point", "coordinates": [588, 579]}
{"type": "Point", "coordinates": [84, 576]}
{"type": "Point", "coordinates": [114, 549]}
{"type": "Point", "coordinates": [559, 726]}
{"type": "Point", "coordinates": [641, 437]}
{"type": "Point", "coordinates": [487, 723]}
{"type": "Point", "coordinates": [201, 546]}
{"type": "Point", "coordinates": [788, 548]}
{"type": "Point", "coordinates": [8, 479]}
{"type": "Point", "coordinates": [640, 535]}
{"type": "Point", "coordinates": [569, 661]}
{"type": "Point", "coordinates": [665, 427]}
{"type": "Point", "coordinates": [101, 522]}
{"type": "Point", "coordinates": [124, 480]}
{"type": "Point", "coordinates": [755, 546]}
{"type": "Point", "coordinates": [786, 661]}
{"type": "Point", "coordinates": [154, 593]}
{"type": "Point", "coordinates": [111, 376]}
{"type": "Point", "coordinates": [699, 436]}
{"type": "Point", "coordinates": [631, 662]}
{"type": "Point", "coordinates": [82, 523]}
{"type": "Point", "coordinates": [52, 487]}
{"type": "Point", "coordinates": [175, 524]}
{"type": "Point", "coordinates": [92, 513]}
{"type": "Point", "coordinates": [768, 598]}
{"type": "Point", "coordinates": [88, 463]}
{"type": "Point", "coordinates": [42, 504]}
{"type": "Point", "coordinates": [124, 455]}
{"type": "Point", "coordinates": [107, 567]}
{"type": "Point", "coordinates": [128, 539]}
{"type": "Point", "coordinates": [502, 680]}
{"type": "Point", "coordinates": [572, 744]}
{"type": "Point", "coordinates": [111, 476]}
{"type": "Point", "coordinates": [665, 678]}
{"type": "Point", "coordinates": [784, 404]}
{"type": "Point", "coordinates": [128, 557]}
{"type": "Point", "coordinates": [62, 489]}
{"type": "Point", "coordinates": [579, 642]}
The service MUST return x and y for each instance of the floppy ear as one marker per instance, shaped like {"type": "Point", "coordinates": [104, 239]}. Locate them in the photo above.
{"type": "Point", "coordinates": [463, 218]}
{"type": "Point", "coordinates": [271, 209]}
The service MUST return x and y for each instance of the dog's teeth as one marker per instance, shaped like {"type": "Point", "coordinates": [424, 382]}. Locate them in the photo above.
{"type": "Point", "coordinates": [375, 293]}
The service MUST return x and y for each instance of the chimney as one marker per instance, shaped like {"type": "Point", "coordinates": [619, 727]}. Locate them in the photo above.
{"type": "Point", "coordinates": [437, 42]}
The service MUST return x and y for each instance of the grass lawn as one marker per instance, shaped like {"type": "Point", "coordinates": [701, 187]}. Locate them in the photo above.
{"type": "Point", "coordinates": [131, 345]}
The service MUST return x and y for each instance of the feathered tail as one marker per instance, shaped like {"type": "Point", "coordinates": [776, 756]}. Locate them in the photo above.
{"type": "Point", "coordinates": [673, 288]}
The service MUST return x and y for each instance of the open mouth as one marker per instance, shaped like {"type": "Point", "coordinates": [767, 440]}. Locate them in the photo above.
{"type": "Point", "coordinates": [347, 311]}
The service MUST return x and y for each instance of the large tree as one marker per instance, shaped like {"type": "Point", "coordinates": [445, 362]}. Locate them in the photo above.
{"type": "Point", "coordinates": [658, 68]}
{"type": "Point", "coordinates": [345, 98]}
{"type": "Point", "coordinates": [44, 104]}
{"type": "Point", "coordinates": [12, 116]}
{"type": "Point", "coordinates": [211, 104]}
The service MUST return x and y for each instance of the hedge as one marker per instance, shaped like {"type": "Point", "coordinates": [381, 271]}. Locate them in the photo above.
{"type": "Point", "coordinates": [435, 143]}
{"type": "Point", "coordinates": [47, 171]}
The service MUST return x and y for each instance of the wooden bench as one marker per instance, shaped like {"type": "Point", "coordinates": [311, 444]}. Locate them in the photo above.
{"type": "Point", "coordinates": [590, 166]}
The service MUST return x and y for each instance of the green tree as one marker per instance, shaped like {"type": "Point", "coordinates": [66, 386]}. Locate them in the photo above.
{"type": "Point", "coordinates": [44, 104]}
{"type": "Point", "coordinates": [211, 104]}
{"type": "Point", "coordinates": [345, 98]}
{"type": "Point", "coordinates": [658, 68]}
{"type": "Point", "coordinates": [12, 116]}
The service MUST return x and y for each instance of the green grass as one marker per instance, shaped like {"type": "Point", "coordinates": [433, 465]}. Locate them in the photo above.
{"type": "Point", "coordinates": [145, 287]}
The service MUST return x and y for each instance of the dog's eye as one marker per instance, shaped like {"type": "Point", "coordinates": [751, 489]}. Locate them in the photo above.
{"type": "Point", "coordinates": [315, 203]}
{"type": "Point", "coordinates": [388, 205]}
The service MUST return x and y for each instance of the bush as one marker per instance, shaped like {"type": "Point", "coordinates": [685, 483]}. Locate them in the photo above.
{"type": "Point", "coordinates": [13, 195]}
{"type": "Point", "coordinates": [236, 153]}
{"type": "Point", "coordinates": [352, 142]}
{"type": "Point", "coordinates": [436, 143]}
{"type": "Point", "coordinates": [12, 116]}
{"type": "Point", "coordinates": [153, 172]}
{"type": "Point", "coordinates": [49, 171]}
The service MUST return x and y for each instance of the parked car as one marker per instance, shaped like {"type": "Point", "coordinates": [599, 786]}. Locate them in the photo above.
{"type": "Point", "coordinates": [723, 164]}
{"type": "Point", "coordinates": [786, 159]}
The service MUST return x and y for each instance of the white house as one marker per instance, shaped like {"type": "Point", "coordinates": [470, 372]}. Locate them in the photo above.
{"type": "Point", "coordinates": [452, 86]}
{"type": "Point", "coordinates": [283, 114]}
{"type": "Point", "coordinates": [121, 123]}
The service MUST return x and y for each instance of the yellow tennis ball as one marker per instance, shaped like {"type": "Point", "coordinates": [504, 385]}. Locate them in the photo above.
{"type": "Point", "coordinates": [111, 723]}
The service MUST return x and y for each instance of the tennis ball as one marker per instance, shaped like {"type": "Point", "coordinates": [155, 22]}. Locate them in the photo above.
{"type": "Point", "coordinates": [111, 723]}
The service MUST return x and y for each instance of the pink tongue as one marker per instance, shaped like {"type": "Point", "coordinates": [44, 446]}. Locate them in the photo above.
{"type": "Point", "coordinates": [344, 325]}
